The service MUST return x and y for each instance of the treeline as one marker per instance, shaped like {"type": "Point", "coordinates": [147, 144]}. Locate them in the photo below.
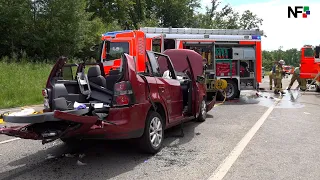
{"type": "Point", "coordinates": [41, 30]}
{"type": "Point", "coordinates": [291, 57]}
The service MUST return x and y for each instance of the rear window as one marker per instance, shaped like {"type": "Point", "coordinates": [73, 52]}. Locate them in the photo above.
{"type": "Point", "coordinates": [308, 52]}
{"type": "Point", "coordinates": [117, 49]}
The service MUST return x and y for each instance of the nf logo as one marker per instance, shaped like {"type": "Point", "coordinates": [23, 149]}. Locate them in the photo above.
{"type": "Point", "coordinates": [298, 9]}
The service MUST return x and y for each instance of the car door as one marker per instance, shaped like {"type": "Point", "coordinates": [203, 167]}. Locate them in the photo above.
{"type": "Point", "coordinates": [169, 88]}
{"type": "Point", "coordinates": [194, 91]}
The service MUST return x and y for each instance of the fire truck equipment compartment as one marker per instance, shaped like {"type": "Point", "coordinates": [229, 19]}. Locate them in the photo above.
{"type": "Point", "coordinates": [243, 53]}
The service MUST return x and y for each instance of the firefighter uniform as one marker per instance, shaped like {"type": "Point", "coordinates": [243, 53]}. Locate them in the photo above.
{"type": "Point", "coordinates": [271, 79]}
{"type": "Point", "coordinates": [296, 77]}
{"type": "Point", "coordinates": [303, 84]}
{"type": "Point", "coordinates": [272, 75]}
{"type": "Point", "coordinates": [278, 77]}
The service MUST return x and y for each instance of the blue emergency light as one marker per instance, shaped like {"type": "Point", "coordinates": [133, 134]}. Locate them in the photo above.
{"type": "Point", "coordinates": [114, 33]}
{"type": "Point", "coordinates": [256, 37]}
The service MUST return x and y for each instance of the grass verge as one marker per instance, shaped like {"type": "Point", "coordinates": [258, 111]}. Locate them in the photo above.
{"type": "Point", "coordinates": [21, 83]}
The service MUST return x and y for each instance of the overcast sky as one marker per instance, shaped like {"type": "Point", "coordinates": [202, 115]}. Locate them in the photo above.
{"type": "Point", "coordinates": [281, 31]}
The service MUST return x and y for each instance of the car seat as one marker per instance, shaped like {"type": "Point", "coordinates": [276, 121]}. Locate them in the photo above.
{"type": "Point", "coordinates": [94, 76]}
{"type": "Point", "coordinates": [98, 85]}
{"type": "Point", "coordinates": [112, 78]}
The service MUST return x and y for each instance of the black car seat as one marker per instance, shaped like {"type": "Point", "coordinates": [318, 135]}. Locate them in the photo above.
{"type": "Point", "coordinates": [112, 78]}
{"type": "Point", "coordinates": [98, 85]}
{"type": "Point", "coordinates": [94, 76]}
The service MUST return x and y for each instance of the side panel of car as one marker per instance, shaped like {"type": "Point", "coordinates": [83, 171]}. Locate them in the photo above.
{"type": "Point", "coordinates": [170, 91]}
{"type": "Point", "coordinates": [140, 91]}
{"type": "Point", "coordinates": [146, 93]}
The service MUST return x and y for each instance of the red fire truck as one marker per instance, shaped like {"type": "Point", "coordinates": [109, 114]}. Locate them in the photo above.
{"type": "Point", "coordinates": [310, 65]}
{"type": "Point", "coordinates": [231, 54]}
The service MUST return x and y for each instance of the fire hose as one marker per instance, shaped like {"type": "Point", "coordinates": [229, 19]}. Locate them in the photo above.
{"type": "Point", "coordinates": [220, 85]}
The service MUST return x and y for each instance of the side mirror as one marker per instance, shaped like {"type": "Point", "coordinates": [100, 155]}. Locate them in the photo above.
{"type": "Point", "coordinates": [201, 79]}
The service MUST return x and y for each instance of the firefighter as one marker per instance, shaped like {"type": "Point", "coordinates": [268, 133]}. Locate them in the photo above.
{"type": "Point", "coordinates": [271, 79]}
{"type": "Point", "coordinates": [303, 84]}
{"type": "Point", "coordinates": [296, 76]}
{"type": "Point", "coordinates": [278, 77]}
{"type": "Point", "coordinates": [272, 75]}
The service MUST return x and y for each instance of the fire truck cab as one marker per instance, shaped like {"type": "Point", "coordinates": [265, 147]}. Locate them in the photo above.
{"type": "Point", "coordinates": [310, 65]}
{"type": "Point", "coordinates": [233, 55]}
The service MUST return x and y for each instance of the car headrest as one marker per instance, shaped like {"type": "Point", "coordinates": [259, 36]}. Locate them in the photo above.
{"type": "Point", "coordinates": [94, 71]}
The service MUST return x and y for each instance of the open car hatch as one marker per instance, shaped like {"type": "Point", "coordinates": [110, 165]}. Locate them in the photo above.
{"type": "Point", "coordinates": [49, 126]}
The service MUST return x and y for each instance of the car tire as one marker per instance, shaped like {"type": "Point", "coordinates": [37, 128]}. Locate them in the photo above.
{"type": "Point", "coordinates": [202, 112]}
{"type": "Point", "coordinates": [153, 130]}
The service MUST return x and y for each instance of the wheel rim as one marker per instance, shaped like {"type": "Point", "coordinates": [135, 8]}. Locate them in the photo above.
{"type": "Point", "coordinates": [155, 132]}
{"type": "Point", "coordinates": [203, 109]}
{"type": "Point", "coordinates": [229, 90]}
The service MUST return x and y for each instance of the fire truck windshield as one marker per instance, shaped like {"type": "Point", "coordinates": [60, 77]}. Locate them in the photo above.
{"type": "Point", "coordinates": [116, 49]}
{"type": "Point", "coordinates": [308, 52]}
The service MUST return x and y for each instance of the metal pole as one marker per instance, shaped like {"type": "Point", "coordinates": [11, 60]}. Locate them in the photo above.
{"type": "Point", "coordinates": [162, 42]}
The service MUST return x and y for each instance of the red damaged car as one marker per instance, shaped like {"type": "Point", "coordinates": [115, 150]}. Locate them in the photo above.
{"type": "Point", "coordinates": [124, 104]}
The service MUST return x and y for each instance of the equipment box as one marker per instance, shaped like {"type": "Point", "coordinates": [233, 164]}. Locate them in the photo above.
{"type": "Point", "coordinates": [249, 54]}
{"type": "Point", "coordinates": [223, 69]}
{"type": "Point", "coordinates": [237, 53]}
{"type": "Point", "coordinates": [246, 53]}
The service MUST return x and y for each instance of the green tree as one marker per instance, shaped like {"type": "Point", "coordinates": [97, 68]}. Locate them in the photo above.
{"type": "Point", "coordinates": [248, 20]}
{"type": "Point", "coordinates": [15, 20]}
{"type": "Point", "coordinates": [227, 18]}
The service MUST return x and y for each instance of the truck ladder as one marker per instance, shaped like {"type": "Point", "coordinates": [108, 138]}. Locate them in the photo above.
{"type": "Point", "coordinates": [256, 32]}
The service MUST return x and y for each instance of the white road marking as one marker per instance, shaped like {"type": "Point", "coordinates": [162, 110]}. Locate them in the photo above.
{"type": "Point", "coordinates": [9, 140]}
{"type": "Point", "coordinates": [225, 166]}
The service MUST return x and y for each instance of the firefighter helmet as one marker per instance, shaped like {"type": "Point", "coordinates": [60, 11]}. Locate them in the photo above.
{"type": "Point", "coordinates": [282, 62]}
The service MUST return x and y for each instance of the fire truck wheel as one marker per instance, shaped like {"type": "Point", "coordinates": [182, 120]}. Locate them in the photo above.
{"type": "Point", "coordinates": [317, 88]}
{"type": "Point", "coordinates": [232, 91]}
{"type": "Point", "coordinates": [152, 138]}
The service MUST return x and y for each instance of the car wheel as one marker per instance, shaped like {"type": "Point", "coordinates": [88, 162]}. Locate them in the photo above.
{"type": "Point", "coordinates": [152, 138]}
{"type": "Point", "coordinates": [203, 112]}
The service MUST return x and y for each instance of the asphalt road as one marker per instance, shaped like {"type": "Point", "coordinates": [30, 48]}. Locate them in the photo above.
{"type": "Point", "coordinates": [266, 137]}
